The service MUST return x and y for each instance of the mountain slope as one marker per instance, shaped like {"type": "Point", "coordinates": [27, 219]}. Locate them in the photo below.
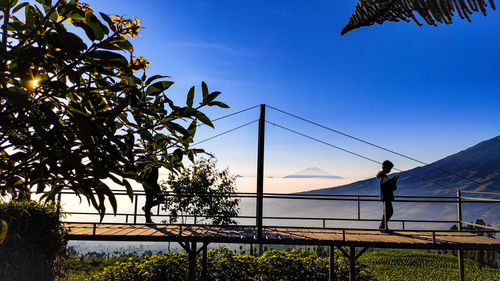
{"type": "Point", "coordinates": [480, 163]}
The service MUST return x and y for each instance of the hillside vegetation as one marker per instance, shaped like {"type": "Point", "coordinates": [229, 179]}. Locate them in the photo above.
{"type": "Point", "coordinates": [285, 265]}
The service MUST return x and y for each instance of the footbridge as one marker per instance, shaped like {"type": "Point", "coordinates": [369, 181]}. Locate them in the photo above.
{"type": "Point", "coordinates": [351, 235]}
{"type": "Point", "coordinates": [196, 233]}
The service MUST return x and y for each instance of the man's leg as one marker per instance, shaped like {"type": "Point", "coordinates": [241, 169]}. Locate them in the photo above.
{"type": "Point", "coordinates": [383, 223]}
{"type": "Point", "coordinates": [389, 211]}
{"type": "Point", "coordinates": [147, 207]}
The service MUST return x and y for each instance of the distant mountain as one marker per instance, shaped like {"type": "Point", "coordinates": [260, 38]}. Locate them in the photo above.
{"type": "Point", "coordinates": [480, 163]}
{"type": "Point", "coordinates": [313, 173]}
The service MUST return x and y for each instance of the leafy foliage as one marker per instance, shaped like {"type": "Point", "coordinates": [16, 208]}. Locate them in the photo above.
{"type": "Point", "coordinates": [202, 191]}
{"type": "Point", "coordinates": [222, 264]}
{"type": "Point", "coordinates": [77, 110]}
{"type": "Point", "coordinates": [369, 12]}
{"type": "Point", "coordinates": [34, 239]}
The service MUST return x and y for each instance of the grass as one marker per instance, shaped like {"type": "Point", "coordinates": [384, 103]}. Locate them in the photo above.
{"type": "Point", "coordinates": [404, 265]}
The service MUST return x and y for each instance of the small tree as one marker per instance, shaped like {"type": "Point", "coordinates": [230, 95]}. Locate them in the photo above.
{"type": "Point", "coordinates": [202, 191]}
{"type": "Point", "coordinates": [75, 110]}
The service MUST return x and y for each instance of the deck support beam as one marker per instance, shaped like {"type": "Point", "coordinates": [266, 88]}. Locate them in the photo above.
{"type": "Point", "coordinates": [352, 263]}
{"type": "Point", "coordinates": [331, 270]}
{"type": "Point", "coordinates": [461, 269]}
{"type": "Point", "coordinates": [204, 262]}
{"type": "Point", "coordinates": [190, 248]}
{"type": "Point", "coordinates": [352, 257]}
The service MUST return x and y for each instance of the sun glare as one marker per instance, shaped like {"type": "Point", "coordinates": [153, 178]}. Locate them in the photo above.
{"type": "Point", "coordinates": [35, 83]}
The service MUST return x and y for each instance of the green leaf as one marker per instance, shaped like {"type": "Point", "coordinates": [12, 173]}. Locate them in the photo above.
{"type": "Point", "coordinates": [96, 26]}
{"type": "Point", "coordinates": [190, 97]}
{"type": "Point", "coordinates": [108, 20]}
{"type": "Point", "coordinates": [19, 7]}
{"type": "Point", "coordinates": [212, 97]}
{"type": "Point", "coordinates": [204, 119]}
{"type": "Point", "coordinates": [130, 191]}
{"type": "Point", "coordinates": [71, 42]}
{"type": "Point", "coordinates": [4, 227]}
{"type": "Point", "coordinates": [204, 90]}
{"type": "Point", "coordinates": [219, 104]}
{"type": "Point", "coordinates": [122, 44]}
{"type": "Point", "coordinates": [158, 87]}
{"type": "Point", "coordinates": [154, 77]}
{"type": "Point", "coordinates": [110, 57]}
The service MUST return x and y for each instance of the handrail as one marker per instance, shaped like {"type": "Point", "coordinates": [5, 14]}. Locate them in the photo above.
{"type": "Point", "coordinates": [482, 226]}
{"type": "Point", "coordinates": [458, 200]}
{"type": "Point", "coordinates": [294, 227]}
{"type": "Point", "coordinates": [343, 197]}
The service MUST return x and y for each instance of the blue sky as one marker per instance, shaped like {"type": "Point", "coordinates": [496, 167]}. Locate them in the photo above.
{"type": "Point", "coordinates": [423, 91]}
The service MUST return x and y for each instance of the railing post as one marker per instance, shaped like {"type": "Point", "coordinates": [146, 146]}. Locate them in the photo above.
{"type": "Point", "coordinates": [359, 209]}
{"type": "Point", "coordinates": [260, 170]}
{"type": "Point", "coordinates": [459, 210]}
{"type": "Point", "coordinates": [460, 253]}
{"type": "Point", "coordinates": [135, 208]}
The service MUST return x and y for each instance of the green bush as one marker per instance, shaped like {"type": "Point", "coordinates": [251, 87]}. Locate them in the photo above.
{"type": "Point", "coordinates": [153, 268]}
{"type": "Point", "coordinates": [33, 241]}
{"type": "Point", "coordinates": [222, 264]}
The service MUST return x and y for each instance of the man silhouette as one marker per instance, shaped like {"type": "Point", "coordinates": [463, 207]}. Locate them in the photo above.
{"type": "Point", "coordinates": [152, 190]}
{"type": "Point", "coordinates": [387, 188]}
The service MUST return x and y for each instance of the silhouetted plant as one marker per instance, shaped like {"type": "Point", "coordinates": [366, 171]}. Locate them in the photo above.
{"type": "Point", "coordinates": [34, 239]}
{"type": "Point", "coordinates": [369, 12]}
{"type": "Point", "coordinates": [202, 191]}
{"type": "Point", "coordinates": [77, 110]}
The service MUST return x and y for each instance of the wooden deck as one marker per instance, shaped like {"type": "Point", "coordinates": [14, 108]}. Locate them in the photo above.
{"type": "Point", "coordinates": [281, 235]}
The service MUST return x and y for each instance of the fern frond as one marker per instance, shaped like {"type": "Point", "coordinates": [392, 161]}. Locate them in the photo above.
{"type": "Point", "coordinates": [369, 12]}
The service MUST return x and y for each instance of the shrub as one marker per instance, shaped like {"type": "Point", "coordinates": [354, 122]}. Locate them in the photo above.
{"type": "Point", "coordinates": [222, 264]}
{"type": "Point", "coordinates": [33, 241]}
{"type": "Point", "coordinates": [154, 268]}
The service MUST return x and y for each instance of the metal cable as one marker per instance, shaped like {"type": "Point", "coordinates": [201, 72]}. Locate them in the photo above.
{"type": "Point", "coordinates": [223, 133]}
{"type": "Point", "coordinates": [385, 149]}
{"type": "Point", "coordinates": [359, 155]}
{"type": "Point", "coordinates": [229, 115]}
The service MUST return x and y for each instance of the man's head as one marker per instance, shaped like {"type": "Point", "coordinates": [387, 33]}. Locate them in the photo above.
{"type": "Point", "coordinates": [387, 166]}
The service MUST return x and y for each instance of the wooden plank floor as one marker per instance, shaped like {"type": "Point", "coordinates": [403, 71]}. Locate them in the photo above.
{"type": "Point", "coordinates": [281, 235]}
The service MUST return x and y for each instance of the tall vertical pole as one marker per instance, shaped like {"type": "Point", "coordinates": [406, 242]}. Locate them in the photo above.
{"type": "Point", "coordinates": [260, 170]}
{"type": "Point", "coordinates": [460, 256]}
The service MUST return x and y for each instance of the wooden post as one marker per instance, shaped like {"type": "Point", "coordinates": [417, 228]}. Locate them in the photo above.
{"type": "Point", "coordinates": [204, 270]}
{"type": "Point", "coordinates": [192, 261]}
{"type": "Point", "coordinates": [359, 209]}
{"type": "Point", "coordinates": [459, 210]}
{"type": "Point", "coordinates": [331, 270]}
{"type": "Point", "coordinates": [352, 260]}
{"type": "Point", "coordinates": [135, 208]}
{"type": "Point", "coordinates": [260, 172]}
{"type": "Point", "coordinates": [460, 255]}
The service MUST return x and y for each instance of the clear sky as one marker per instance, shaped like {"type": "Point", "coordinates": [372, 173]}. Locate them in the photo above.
{"type": "Point", "coordinates": [423, 91]}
